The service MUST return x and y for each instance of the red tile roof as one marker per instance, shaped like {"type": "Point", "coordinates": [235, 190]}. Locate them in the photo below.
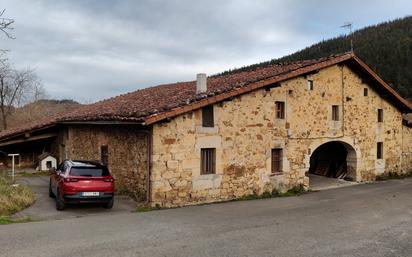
{"type": "Point", "coordinates": [150, 105]}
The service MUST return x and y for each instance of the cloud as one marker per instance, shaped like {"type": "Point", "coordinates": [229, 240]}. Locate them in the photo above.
{"type": "Point", "coordinates": [90, 50]}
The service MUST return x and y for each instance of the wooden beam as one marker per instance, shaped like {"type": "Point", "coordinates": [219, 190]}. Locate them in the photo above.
{"type": "Point", "coordinates": [29, 139]}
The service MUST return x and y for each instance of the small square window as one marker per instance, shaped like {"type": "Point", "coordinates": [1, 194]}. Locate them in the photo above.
{"type": "Point", "coordinates": [280, 110]}
{"type": "Point", "coordinates": [208, 161]}
{"type": "Point", "coordinates": [365, 92]}
{"type": "Point", "coordinates": [208, 116]}
{"type": "Point", "coordinates": [335, 112]}
{"type": "Point", "coordinates": [379, 150]}
{"type": "Point", "coordinates": [380, 115]}
{"type": "Point", "coordinates": [310, 84]}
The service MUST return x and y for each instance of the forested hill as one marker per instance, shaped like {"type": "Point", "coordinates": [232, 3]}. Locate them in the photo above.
{"type": "Point", "coordinates": [386, 48]}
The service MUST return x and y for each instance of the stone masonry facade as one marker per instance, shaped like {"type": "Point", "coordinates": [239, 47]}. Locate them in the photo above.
{"type": "Point", "coordinates": [127, 152]}
{"type": "Point", "coordinates": [246, 130]}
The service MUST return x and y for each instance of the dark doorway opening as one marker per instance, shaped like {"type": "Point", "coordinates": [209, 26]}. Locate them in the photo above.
{"type": "Point", "coordinates": [330, 160]}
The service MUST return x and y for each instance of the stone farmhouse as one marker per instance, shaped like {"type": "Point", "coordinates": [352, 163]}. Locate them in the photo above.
{"type": "Point", "coordinates": [240, 133]}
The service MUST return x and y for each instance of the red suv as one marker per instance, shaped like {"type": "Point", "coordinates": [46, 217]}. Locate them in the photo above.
{"type": "Point", "coordinates": [81, 182]}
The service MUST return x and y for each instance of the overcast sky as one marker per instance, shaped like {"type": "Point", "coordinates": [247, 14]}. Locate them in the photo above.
{"type": "Point", "coordinates": [91, 50]}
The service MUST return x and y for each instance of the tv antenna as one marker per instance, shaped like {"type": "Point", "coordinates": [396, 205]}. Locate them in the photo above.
{"type": "Point", "coordinates": [348, 25]}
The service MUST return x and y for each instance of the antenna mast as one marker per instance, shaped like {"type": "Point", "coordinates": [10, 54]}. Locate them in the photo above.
{"type": "Point", "coordinates": [348, 25]}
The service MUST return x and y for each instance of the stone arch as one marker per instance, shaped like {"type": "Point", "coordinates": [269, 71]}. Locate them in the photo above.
{"type": "Point", "coordinates": [339, 152]}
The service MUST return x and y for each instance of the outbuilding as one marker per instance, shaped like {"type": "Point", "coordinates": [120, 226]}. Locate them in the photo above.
{"type": "Point", "coordinates": [46, 162]}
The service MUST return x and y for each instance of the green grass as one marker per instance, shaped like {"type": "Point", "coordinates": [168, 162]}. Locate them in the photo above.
{"type": "Point", "coordinates": [394, 175]}
{"type": "Point", "coordinates": [8, 220]}
{"type": "Point", "coordinates": [13, 198]}
{"type": "Point", "coordinates": [295, 191]}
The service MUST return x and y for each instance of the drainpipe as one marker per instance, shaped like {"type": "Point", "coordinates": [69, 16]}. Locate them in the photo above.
{"type": "Point", "coordinates": [343, 102]}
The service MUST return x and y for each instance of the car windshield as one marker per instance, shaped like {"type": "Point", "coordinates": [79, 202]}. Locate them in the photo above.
{"type": "Point", "coordinates": [89, 171]}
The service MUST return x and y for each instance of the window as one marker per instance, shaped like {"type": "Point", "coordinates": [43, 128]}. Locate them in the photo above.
{"type": "Point", "coordinates": [280, 110]}
{"type": "Point", "coordinates": [208, 161]}
{"type": "Point", "coordinates": [276, 161]}
{"type": "Point", "coordinates": [207, 116]}
{"type": "Point", "coordinates": [335, 112]}
{"type": "Point", "coordinates": [365, 92]}
{"type": "Point", "coordinates": [380, 115]}
{"type": "Point", "coordinates": [379, 150]}
{"type": "Point", "coordinates": [89, 171]}
{"type": "Point", "coordinates": [310, 84]}
{"type": "Point", "coordinates": [104, 154]}
{"type": "Point", "coordinates": [48, 164]}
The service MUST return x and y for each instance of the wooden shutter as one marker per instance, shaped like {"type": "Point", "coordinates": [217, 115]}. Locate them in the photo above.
{"type": "Point", "coordinates": [335, 112]}
{"type": "Point", "coordinates": [207, 116]}
{"type": "Point", "coordinates": [276, 160]}
{"type": "Point", "coordinates": [379, 150]}
{"type": "Point", "coordinates": [380, 115]}
{"type": "Point", "coordinates": [280, 110]}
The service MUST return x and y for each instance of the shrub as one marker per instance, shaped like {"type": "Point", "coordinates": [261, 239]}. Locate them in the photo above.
{"type": "Point", "coordinates": [14, 198]}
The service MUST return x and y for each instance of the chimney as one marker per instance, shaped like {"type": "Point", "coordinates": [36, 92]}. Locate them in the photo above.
{"type": "Point", "coordinates": [201, 84]}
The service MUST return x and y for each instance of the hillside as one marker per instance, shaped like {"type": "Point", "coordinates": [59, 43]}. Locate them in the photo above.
{"type": "Point", "coordinates": [40, 110]}
{"type": "Point", "coordinates": [386, 48]}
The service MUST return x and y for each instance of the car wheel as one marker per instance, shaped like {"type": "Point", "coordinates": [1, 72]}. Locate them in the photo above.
{"type": "Point", "coordinates": [109, 204]}
{"type": "Point", "coordinates": [59, 202]}
{"type": "Point", "coordinates": [50, 190]}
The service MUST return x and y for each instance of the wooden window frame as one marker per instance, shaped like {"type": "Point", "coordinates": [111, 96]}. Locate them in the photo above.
{"type": "Point", "coordinates": [276, 161]}
{"type": "Point", "coordinates": [335, 112]}
{"type": "Point", "coordinates": [208, 117]}
{"type": "Point", "coordinates": [379, 150]}
{"type": "Point", "coordinates": [104, 154]}
{"type": "Point", "coordinates": [280, 110]}
{"type": "Point", "coordinates": [207, 161]}
{"type": "Point", "coordinates": [380, 115]}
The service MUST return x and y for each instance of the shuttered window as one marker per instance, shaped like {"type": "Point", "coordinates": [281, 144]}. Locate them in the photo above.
{"type": "Point", "coordinates": [104, 154]}
{"type": "Point", "coordinates": [208, 161]}
{"type": "Point", "coordinates": [379, 150]}
{"type": "Point", "coordinates": [280, 110]}
{"type": "Point", "coordinates": [207, 116]}
{"type": "Point", "coordinates": [335, 112]}
{"type": "Point", "coordinates": [276, 161]}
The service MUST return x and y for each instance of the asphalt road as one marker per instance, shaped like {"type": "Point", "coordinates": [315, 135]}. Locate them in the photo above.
{"type": "Point", "coordinates": [362, 220]}
{"type": "Point", "coordinates": [44, 207]}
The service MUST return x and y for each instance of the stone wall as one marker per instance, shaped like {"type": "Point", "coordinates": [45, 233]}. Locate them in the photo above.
{"type": "Point", "coordinates": [127, 152]}
{"type": "Point", "coordinates": [406, 159]}
{"type": "Point", "coordinates": [246, 131]}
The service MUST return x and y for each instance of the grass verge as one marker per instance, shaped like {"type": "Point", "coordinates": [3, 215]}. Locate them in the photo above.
{"type": "Point", "coordinates": [393, 175]}
{"type": "Point", "coordinates": [8, 220]}
{"type": "Point", "coordinates": [14, 198]}
{"type": "Point", "coordinates": [295, 191]}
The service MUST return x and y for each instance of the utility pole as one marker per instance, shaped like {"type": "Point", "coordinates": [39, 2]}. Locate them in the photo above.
{"type": "Point", "coordinates": [348, 25]}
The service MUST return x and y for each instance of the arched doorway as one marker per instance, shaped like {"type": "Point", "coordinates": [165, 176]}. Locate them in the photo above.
{"type": "Point", "coordinates": [334, 159]}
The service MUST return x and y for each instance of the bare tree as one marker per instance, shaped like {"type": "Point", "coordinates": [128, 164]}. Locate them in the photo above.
{"type": "Point", "coordinates": [6, 28]}
{"type": "Point", "coordinates": [6, 25]}
{"type": "Point", "coordinates": [16, 87]}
